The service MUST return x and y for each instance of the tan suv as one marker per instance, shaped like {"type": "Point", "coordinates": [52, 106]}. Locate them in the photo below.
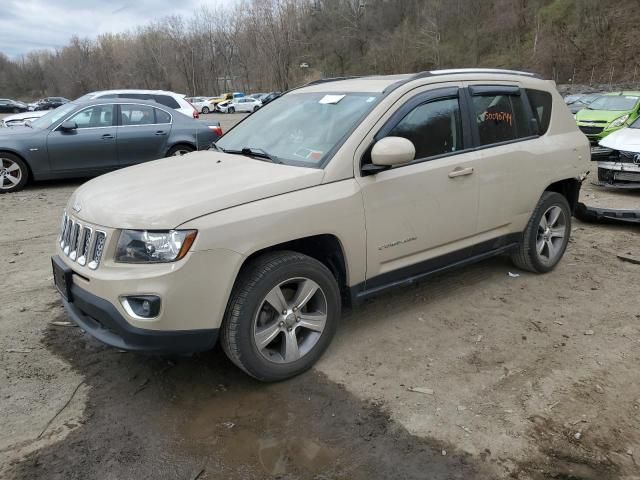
{"type": "Point", "coordinates": [334, 192]}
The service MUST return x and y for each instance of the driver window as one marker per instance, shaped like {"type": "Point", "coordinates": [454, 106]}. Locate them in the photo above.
{"type": "Point", "coordinates": [93, 117]}
{"type": "Point", "coordinates": [434, 128]}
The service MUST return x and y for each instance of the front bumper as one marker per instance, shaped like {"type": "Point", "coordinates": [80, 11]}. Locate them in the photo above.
{"type": "Point", "coordinates": [103, 321]}
{"type": "Point", "coordinates": [619, 175]}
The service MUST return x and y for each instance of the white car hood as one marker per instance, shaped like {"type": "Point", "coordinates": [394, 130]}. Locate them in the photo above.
{"type": "Point", "coordinates": [166, 193]}
{"type": "Point", "coordinates": [626, 139]}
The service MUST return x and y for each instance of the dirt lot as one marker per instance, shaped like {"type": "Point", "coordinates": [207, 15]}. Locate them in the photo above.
{"type": "Point", "coordinates": [530, 377]}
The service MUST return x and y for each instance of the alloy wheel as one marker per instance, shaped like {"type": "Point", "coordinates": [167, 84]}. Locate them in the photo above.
{"type": "Point", "coordinates": [180, 152]}
{"type": "Point", "coordinates": [551, 234]}
{"type": "Point", "coordinates": [10, 174]}
{"type": "Point", "coordinates": [290, 320]}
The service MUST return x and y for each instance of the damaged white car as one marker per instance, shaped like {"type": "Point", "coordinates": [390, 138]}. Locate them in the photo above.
{"type": "Point", "coordinates": [619, 166]}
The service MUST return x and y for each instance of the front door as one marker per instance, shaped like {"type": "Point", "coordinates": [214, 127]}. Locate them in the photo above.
{"type": "Point", "coordinates": [143, 133]}
{"type": "Point", "coordinates": [427, 208]}
{"type": "Point", "coordinates": [90, 148]}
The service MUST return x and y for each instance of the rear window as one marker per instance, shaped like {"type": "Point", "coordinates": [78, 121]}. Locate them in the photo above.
{"type": "Point", "coordinates": [540, 102]}
{"type": "Point", "coordinates": [166, 100]}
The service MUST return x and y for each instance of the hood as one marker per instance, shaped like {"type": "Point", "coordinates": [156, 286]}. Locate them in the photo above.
{"type": "Point", "coordinates": [599, 116]}
{"type": "Point", "coordinates": [626, 139]}
{"type": "Point", "coordinates": [166, 193]}
{"type": "Point", "coordinates": [17, 130]}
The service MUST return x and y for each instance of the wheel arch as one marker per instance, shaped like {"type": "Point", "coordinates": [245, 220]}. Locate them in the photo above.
{"type": "Point", "coordinates": [568, 188]}
{"type": "Point", "coordinates": [179, 143]}
{"type": "Point", "coordinates": [21, 157]}
{"type": "Point", "coordinates": [326, 248]}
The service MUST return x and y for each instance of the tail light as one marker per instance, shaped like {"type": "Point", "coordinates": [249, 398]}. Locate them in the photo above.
{"type": "Point", "coordinates": [217, 129]}
{"type": "Point", "coordinates": [195, 111]}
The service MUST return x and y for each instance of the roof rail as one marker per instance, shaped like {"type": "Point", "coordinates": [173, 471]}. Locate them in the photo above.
{"type": "Point", "coordinates": [458, 71]}
{"type": "Point", "coordinates": [331, 79]}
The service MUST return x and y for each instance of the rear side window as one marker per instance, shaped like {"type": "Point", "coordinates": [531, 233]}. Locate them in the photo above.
{"type": "Point", "coordinates": [162, 116]}
{"type": "Point", "coordinates": [500, 118]}
{"type": "Point", "coordinates": [434, 128]}
{"type": "Point", "coordinates": [137, 115]}
{"type": "Point", "coordinates": [541, 106]}
{"type": "Point", "coordinates": [166, 100]}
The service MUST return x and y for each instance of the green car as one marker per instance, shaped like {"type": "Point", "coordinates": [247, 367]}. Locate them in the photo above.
{"type": "Point", "coordinates": [609, 113]}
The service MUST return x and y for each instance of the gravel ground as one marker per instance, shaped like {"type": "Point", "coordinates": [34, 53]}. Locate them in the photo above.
{"type": "Point", "coordinates": [529, 377]}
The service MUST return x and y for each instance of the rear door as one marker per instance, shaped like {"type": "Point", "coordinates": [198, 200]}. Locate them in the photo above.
{"type": "Point", "coordinates": [91, 148]}
{"type": "Point", "coordinates": [143, 133]}
{"type": "Point", "coordinates": [502, 131]}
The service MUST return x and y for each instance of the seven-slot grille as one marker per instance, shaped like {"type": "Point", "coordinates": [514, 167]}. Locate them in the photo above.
{"type": "Point", "coordinates": [81, 243]}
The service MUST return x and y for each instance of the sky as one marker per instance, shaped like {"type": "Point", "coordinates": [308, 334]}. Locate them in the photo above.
{"type": "Point", "coordinates": [48, 24]}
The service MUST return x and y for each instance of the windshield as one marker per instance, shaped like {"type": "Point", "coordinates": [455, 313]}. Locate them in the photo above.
{"type": "Point", "coordinates": [614, 102]}
{"type": "Point", "coordinates": [300, 128]}
{"type": "Point", "coordinates": [53, 116]}
{"type": "Point", "coordinates": [635, 124]}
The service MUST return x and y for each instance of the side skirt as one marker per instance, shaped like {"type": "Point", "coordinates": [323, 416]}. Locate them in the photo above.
{"type": "Point", "coordinates": [415, 273]}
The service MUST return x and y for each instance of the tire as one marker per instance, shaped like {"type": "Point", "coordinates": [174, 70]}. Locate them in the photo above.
{"type": "Point", "coordinates": [540, 250]}
{"type": "Point", "coordinates": [179, 150]}
{"type": "Point", "coordinates": [16, 110]}
{"type": "Point", "coordinates": [287, 347]}
{"type": "Point", "coordinates": [205, 110]}
{"type": "Point", "coordinates": [231, 110]}
{"type": "Point", "coordinates": [255, 109]}
{"type": "Point", "coordinates": [14, 173]}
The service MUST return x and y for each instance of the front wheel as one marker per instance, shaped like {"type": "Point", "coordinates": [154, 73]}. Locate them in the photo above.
{"type": "Point", "coordinates": [545, 239]}
{"type": "Point", "coordinates": [231, 110]}
{"type": "Point", "coordinates": [205, 110]}
{"type": "Point", "coordinates": [281, 317]}
{"type": "Point", "coordinates": [13, 173]}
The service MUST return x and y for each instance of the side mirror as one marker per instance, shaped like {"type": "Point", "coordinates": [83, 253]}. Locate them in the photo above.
{"type": "Point", "coordinates": [391, 151]}
{"type": "Point", "coordinates": [69, 126]}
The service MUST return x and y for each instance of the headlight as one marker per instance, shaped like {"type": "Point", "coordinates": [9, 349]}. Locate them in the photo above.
{"type": "Point", "coordinates": [618, 122]}
{"type": "Point", "coordinates": [145, 246]}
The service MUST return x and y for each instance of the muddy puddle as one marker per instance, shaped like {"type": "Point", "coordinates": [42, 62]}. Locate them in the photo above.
{"type": "Point", "coordinates": [199, 417]}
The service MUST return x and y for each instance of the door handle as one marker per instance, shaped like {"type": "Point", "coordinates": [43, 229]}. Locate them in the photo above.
{"type": "Point", "coordinates": [460, 172]}
{"type": "Point", "coordinates": [160, 133]}
{"type": "Point", "coordinates": [107, 136]}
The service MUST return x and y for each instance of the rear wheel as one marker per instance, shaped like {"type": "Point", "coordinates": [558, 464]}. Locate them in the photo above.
{"type": "Point", "coordinates": [16, 110]}
{"type": "Point", "coordinates": [205, 110]}
{"type": "Point", "coordinates": [547, 234]}
{"type": "Point", "coordinates": [179, 150]}
{"type": "Point", "coordinates": [281, 317]}
{"type": "Point", "coordinates": [13, 173]}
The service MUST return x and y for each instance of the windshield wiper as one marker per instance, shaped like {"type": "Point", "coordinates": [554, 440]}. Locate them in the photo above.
{"type": "Point", "coordinates": [255, 152]}
{"type": "Point", "coordinates": [216, 147]}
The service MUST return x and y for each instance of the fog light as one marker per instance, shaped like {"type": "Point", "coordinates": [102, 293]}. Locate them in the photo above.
{"type": "Point", "coordinates": [142, 306]}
